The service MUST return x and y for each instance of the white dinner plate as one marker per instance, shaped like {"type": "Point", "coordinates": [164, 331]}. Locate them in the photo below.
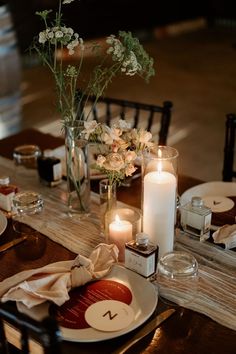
{"type": "Point", "coordinates": [3, 223]}
{"type": "Point", "coordinates": [223, 189]}
{"type": "Point", "coordinates": [143, 303]}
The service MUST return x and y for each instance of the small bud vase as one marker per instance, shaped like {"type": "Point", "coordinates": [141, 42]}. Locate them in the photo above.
{"type": "Point", "coordinates": [77, 167]}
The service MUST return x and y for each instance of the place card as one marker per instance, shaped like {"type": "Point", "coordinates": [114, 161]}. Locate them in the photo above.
{"type": "Point", "coordinates": [218, 204]}
{"type": "Point", "coordinates": [109, 315]}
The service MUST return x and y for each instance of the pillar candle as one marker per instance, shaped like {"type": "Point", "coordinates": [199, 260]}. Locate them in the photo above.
{"type": "Point", "coordinates": [120, 232]}
{"type": "Point", "coordinates": [159, 206]}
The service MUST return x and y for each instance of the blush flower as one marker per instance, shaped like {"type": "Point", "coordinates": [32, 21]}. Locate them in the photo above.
{"type": "Point", "coordinates": [114, 162]}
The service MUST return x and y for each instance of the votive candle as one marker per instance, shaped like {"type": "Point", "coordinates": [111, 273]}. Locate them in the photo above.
{"type": "Point", "coordinates": [120, 232]}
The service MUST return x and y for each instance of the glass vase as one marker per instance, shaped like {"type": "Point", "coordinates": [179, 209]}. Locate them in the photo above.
{"type": "Point", "coordinates": [107, 193]}
{"type": "Point", "coordinates": [77, 168]}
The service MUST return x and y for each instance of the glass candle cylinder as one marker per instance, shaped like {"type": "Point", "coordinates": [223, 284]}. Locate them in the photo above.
{"type": "Point", "coordinates": [121, 226]}
{"type": "Point", "coordinates": [159, 196]}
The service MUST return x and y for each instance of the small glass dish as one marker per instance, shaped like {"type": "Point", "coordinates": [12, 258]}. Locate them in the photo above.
{"type": "Point", "coordinates": [26, 155]}
{"type": "Point", "coordinates": [177, 277]}
{"type": "Point", "coordinates": [27, 208]}
{"type": "Point", "coordinates": [25, 159]}
{"type": "Point", "coordinates": [177, 264]}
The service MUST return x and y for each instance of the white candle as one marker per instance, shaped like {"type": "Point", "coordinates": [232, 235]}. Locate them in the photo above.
{"type": "Point", "coordinates": [120, 232]}
{"type": "Point", "coordinates": [159, 209]}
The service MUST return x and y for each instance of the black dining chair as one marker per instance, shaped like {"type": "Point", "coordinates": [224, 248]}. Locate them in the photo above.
{"type": "Point", "coordinates": [229, 168]}
{"type": "Point", "coordinates": [18, 330]}
{"type": "Point", "coordinates": [154, 118]}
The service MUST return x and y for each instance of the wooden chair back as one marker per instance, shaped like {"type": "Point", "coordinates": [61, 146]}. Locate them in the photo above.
{"type": "Point", "coordinates": [18, 330]}
{"type": "Point", "coordinates": [229, 169]}
{"type": "Point", "coordinates": [151, 117]}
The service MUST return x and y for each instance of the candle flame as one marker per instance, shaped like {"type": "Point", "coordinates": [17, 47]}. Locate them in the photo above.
{"type": "Point", "coordinates": [159, 167]}
{"type": "Point", "coordinates": [159, 163]}
{"type": "Point", "coordinates": [117, 219]}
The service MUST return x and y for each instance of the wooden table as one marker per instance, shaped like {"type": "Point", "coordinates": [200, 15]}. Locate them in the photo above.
{"type": "Point", "coordinates": [185, 332]}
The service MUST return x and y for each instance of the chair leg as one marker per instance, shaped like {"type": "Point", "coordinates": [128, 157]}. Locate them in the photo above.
{"type": "Point", "coordinates": [4, 349]}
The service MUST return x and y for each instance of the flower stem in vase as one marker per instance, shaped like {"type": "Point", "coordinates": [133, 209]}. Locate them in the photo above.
{"type": "Point", "coordinates": [107, 193]}
{"type": "Point", "coordinates": [78, 179]}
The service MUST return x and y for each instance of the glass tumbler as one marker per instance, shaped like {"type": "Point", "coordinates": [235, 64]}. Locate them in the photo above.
{"type": "Point", "coordinates": [25, 158]}
{"type": "Point", "coordinates": [28, 213]}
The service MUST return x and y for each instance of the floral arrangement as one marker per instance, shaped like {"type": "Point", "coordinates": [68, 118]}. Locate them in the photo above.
{"type": "Point", "coordinates": [123, 55]}
{"type": "Point", "coordinates": [122, 147]}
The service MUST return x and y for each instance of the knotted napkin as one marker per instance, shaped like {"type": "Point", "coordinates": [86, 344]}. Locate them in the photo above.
{"type": "Point", "coordinates": [226, 235]}
{"type": "Point", "coordinates": [54, 281]}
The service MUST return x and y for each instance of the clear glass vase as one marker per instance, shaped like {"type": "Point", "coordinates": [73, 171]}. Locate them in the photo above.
{"type": "Point", "coordinates": [107, 194]}
{"type": "Point", "coordinates": [77, 168]}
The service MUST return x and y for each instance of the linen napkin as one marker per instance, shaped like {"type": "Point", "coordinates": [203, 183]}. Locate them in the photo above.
{"type": "Point", "coordinates": [54, 281]}
{"type": "Point", "coordinates": [226, 235]}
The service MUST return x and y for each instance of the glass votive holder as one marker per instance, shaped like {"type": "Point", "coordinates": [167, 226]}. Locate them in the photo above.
{"type": "Point", "coordinates": [121, 226]}
{"type": "Point", "coordinates": [159, 196]}
{"type": "Point", "coordinates": [177, 277]}
{"type": "Point", "coordinates": [25, 158]}
{"type": "Point", "coordinates": [26, 212]}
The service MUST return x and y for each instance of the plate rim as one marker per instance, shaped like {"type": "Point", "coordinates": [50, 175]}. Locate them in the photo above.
{"type": "Point", "coordinates": [102, 336]}
{"type": "Point", "coordinates": [184, 199]}
{"type": "Point", "coordinates": [3, 223]}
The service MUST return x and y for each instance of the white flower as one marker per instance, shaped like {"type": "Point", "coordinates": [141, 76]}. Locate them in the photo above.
{"type": "Point", "coordinates": [100, 160]}
{"type": "Point", "coordinates": [111, 135]}
{"type": "Point", "coordinates": [130, 156]}
{"type": "Point", "coordinates": [131, 65]}
{"type": "Point", "coordinates": [72, 45]}
{"type": "Point", "coordinates": [144, 136]}
{"type": "Point", "coordinates": [90, 127]}
{"type": "Point", "coordinates": [123, 125]}
{"type": "Point", "coordinates": [130, 169]}
{"type": "Point", "coordinates": [67, 1]}
{"type": "Point", "coordinates": [42, 37]}
{"type": "Point", "coordinates": [59, 34]}
{"type": "Point", "coordinates": [116, 49]}
{"type": "Point", "coordinates": [114, 162]}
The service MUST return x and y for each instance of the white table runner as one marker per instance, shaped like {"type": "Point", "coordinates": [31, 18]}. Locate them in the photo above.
{"type": "Point", "coordinates": [216, 293]}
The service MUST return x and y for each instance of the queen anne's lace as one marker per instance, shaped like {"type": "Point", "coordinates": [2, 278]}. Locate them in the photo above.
{"type": "Point", "coordinates": [127, 54]}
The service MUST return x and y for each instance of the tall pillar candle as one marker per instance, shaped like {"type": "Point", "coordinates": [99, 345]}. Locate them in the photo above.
{"type": "Point", "coordinates": [159, 205]}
